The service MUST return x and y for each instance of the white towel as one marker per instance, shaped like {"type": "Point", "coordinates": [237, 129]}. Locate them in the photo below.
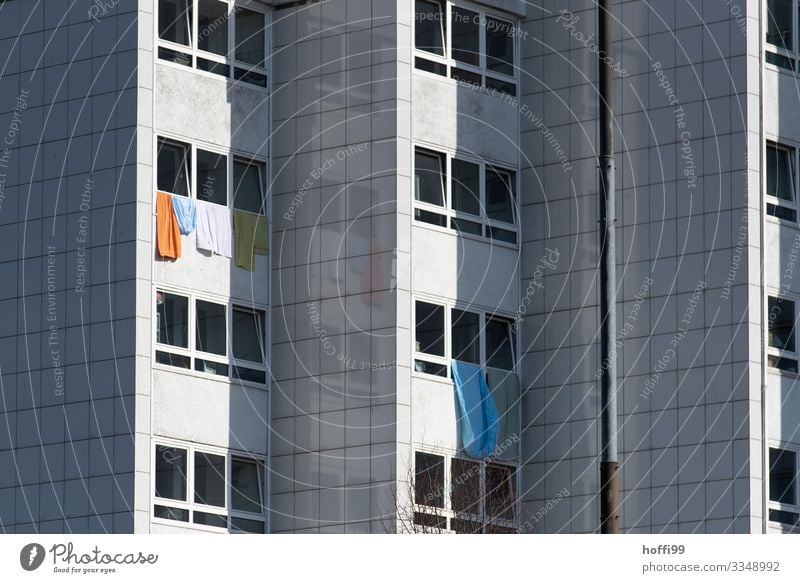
{"type": "Point", "coordinates": [214, 228]}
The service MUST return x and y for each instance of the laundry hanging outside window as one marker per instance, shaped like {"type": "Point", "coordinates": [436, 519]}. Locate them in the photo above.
{"type": "Point", "coordinates": [478, 416]}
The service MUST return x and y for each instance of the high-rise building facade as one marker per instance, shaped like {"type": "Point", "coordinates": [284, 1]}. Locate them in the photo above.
{"type": "Point", "coordinates": [415, 343]}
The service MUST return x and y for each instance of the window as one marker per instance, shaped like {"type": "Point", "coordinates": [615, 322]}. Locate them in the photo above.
{"type": "Point", "coordinates": [201, 34]}
{"type": "Point", "coordinates": [783, 486]}
{"type": "Point", "coordinates": [474, 336]}
{"type": "Point", "coordinates": [478, 47]}
{"type": "Point", "coordinates": [782, 33]}
{"type": "Point", "coordinates": [429, 330]}
{"type": "Point", "coordinates": [214, 327]}
{"type": "Point", "coordinates": [781, 334]}
{"type": "Point", "coordinates": [248, 186]}
{"type": "Point", "coordinates": [226, 489]}
{"type": "Point", "coordinates": [215, 175]}
{"type": "Point", "coordinates": [429, 479]}
{"type": "Point", "coordinates": [481, 497]}
{"type": "Point", "coordinates": [478, 200]}
{"type": "Point", "coordinates": [212, 181]}
{"type": "Point", "coordinates": [173, 167]}
{"type": "Point", "coordinates": [781, 181]}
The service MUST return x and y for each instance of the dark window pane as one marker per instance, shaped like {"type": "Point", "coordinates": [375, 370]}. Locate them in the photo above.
{"type": "Point", "coordinates": [427, 520]}
{"type": "Point", "coordinates": [500, 491]}
{"type": "Point", "coordinates": [502, 86]}
{"type": "Point", "coordinates": [779, 23]}
{"type": "Point", "coordinates": [466, 77]}
{"type": "Point", "coordinates": [429, 479]}
{"type": "Point", "coordinates": [500, 46]}
{"type": "Point", "coordinates": [504, 235]}
{"type": "Point", "coordinates": [499, 348]}
{"type": "Point", "coordinates": [249, 36]}
{"type": "Point", "coordinates": [784, 364]}
{"type": "Point", "coordinates": [466, 341]}
{"type": "Point", "coordinates": [780, 173]}
{"type": "Point", "coordinates": [429, 177]}
{"type": "Point", "coordinates": [783, 516]}
{"type": "Point", "coordinates": [170, 513]}
{"type": "Point", "coordinates": [781, 323]}
{"type": "Point", "coordinates": [243, 525]}
{"type": "Point", "coordinates": [499, 195]}
{"type": "Point", "coordinates": [248, 335]}
{"type": "Point", "coordinates": [432, 368]}
{"type": "Point", "coordinates": [211, 367]}
{"type": "Point", "coordinates": [466, 36]}
{"type": "Point", "coordinates": [429, 217]}
{"type": "Point", "coordinates": [170, 359]}
{"type": "Point", "coordinates": [250, 375]}
{"type": "Point", "coordinates": [245, 486]}
{"type": "Point", "coordinates": [170, 472]}
{"type": "Point", "coordinates": [173, 167]}
{"type": "Point", "coordinates": [248, 187]}
{"type": "Point", "coordinates": [466, 187]}
{"type": "Point", "coordinates": [468, 227]}
{"type": "Point", "coordinates": [174, 56]}
{"type": "Point", "coordinates": [781, 212]}
{"type": "Point", "coordinates": [429, 27]}
{"type": "Point", "coordinates": [212, 26]}
{"type": "Point", "coordinates": [172, 319]}
{"type": "Point", "coordinates": [781, 61]}
{"type": "Point", "coordinates": [782, 476]}
{"type": "Point", "coordinates": [430, 328]}
{"type": "Point", "coordinates": [430, 66]}
{"type": "Point", "coordinates": [211, 329]}
{"type": "Point", "coordinates": [213, 67]}
{"type": "Point", "coordinates": [209, 519]}
{"type": "Point", "coordinates": [465, 486]}
{"type": "Point", "coordinates": [209, 479]}
{"type": "Point", "coordinates": [247, 76]}
{"type": "Point", "coordinates": [212, 177]}
{"type": "Point", "coordinates": [461, 526]}
{"type": "Point", "coordinates": [174, 20]}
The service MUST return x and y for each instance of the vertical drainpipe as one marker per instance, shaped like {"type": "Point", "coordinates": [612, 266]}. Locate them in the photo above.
{"type": "Point", "coordinates": [609, 466]}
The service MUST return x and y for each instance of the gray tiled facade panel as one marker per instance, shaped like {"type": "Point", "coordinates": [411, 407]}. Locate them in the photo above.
{"type": "Point", "coordinates": [334, 101]}
{"type": "Point", "coordinates": [67, 233]}
{"type": "Point", "coordinates": [683, 444]}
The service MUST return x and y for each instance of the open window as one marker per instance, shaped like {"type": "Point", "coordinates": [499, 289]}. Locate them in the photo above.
{"type": "Point", "coordinates": [430, 339]}
{"type": "Point", "coordinates": [248, 186]}
{"type": "Point", "coordinates": [782, 351]}
{"type": "Point", "coordinates": [429, 27]}
{"type": "Point", "coordinates": [226, 489]}
{"type": "Point", "coordinates": [248, 345]}
{"type": "Point", "coordinates": [781, 182]}
{"type": "Point", "coordinates": [500, 204]}
{"type": "Point", "coordinates": [202, 34]}
{"type": "Point", "coordinates": [500, 39]}
{"type": "Point", "coordinates": [172, 329]}
{"type": "Point", "coordinates": [466, 336]}
{"type": "Point", "coordinates": [173, 165]}
{"type": "Point", "coordinates": [499, 344]}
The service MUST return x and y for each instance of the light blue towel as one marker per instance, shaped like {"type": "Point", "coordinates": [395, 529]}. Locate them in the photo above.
{"type": "Point", "coordinates": [186, 213]}
{"type": "Point", "coordinates": [478, 416]}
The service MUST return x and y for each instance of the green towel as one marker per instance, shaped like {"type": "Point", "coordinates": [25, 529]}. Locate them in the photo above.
{"type": "Point", "coordinates": [250, 236]}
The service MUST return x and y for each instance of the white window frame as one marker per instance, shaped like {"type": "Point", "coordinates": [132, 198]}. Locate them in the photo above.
{"type": "Point", "coordinates": [450, 63]}
{"type": "Point", "coordinates": [192, 353]}
{"type": "Point", "coordinates": [190, 505]}
{"type": "Point", "coordinates": [447, 510]}
{"type": "Point", "coordinates": [483, 316]}
{"type": "Point", "coordinates": [230, 155]}
{"type": "Point", "coordinates": [229, 59]}
{"type": "Point", "coordinates": [781, 506]}
{"type": "Point", "coordinates": [449, 213]}
{"type": "Point", "coordinates": [777, 352]}
{"type": "Point", "coordinates": [794, 154]}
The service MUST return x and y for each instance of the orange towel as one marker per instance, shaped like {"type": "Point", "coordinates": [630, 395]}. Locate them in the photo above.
{"type": "Point", "coordinates": [168, 234]}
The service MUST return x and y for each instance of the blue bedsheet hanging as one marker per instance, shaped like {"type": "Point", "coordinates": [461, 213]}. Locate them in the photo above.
{"type": "Point", "coordinates": [478, 417]}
